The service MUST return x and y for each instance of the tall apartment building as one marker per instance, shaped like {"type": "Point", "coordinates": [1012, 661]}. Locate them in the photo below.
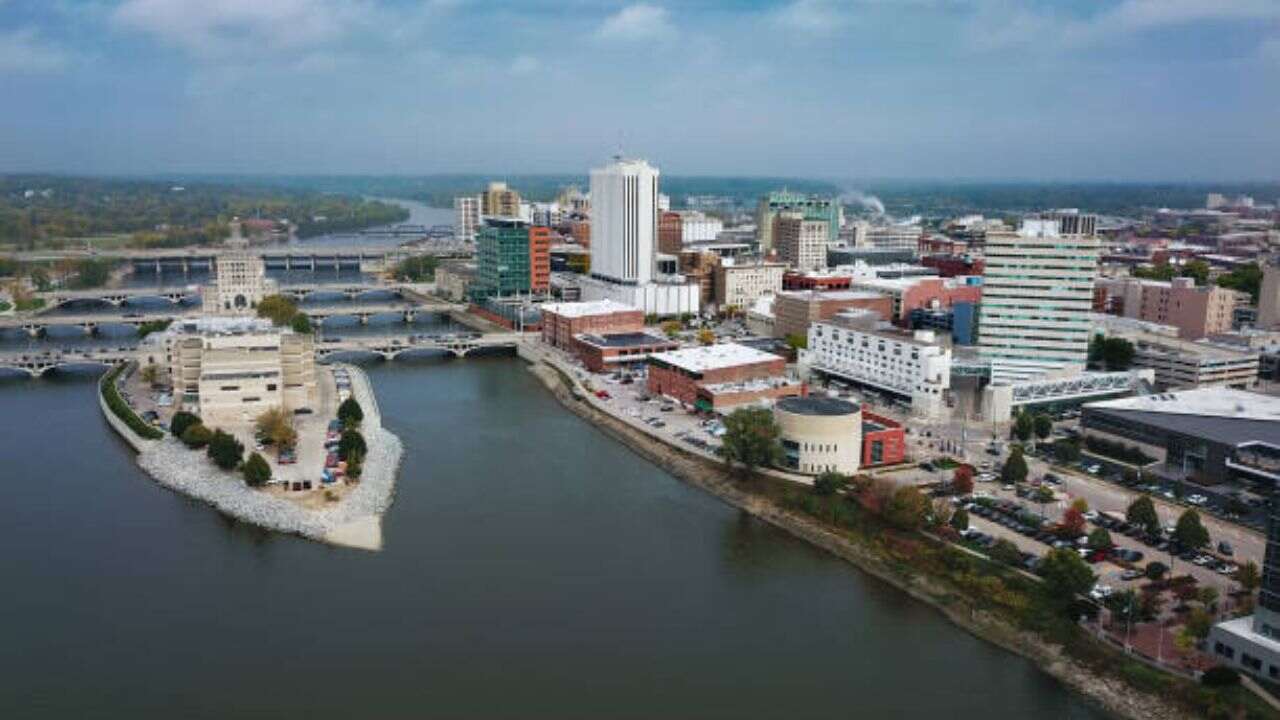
{"type": "Point", "coordinates": [670, 233]}
{"type": "Point", "coordinates": [1036, 298]}
{"type": "Point", "coordinates": [1073, 222]}
{"type": "Point", "coordinates": [811, 207]}
{"type": "Point", "coordinates": [1196, 311]}
{"type": "Point", "coordinates": [498, 200]}
{"type": "Point", "coordinates": [1269, 297]}
{"type": "Point", "coordinates": [624, 224]}
{"type": "Point", "coordinates": [801, 243]}
{"type": "Point", "coordinates": [466, 221]}
{"type": "Point", "coordinates": [512, 258]}
{"type": "Point", "coordinates": [740, 285]}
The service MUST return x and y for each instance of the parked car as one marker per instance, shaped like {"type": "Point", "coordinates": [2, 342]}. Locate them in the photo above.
{"type": "Point", "coordinates": [1225, 548]}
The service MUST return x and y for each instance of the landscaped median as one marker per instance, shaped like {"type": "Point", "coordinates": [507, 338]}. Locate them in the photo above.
{"type": "Point", "coordinates": [121, 409]}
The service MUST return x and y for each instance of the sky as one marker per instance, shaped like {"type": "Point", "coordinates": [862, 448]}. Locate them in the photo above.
{"type": "Point", "coordinates": [1163, 90]}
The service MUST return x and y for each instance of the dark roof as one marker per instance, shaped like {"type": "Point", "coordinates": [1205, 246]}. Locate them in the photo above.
{"type": "Point", "coordinates": [1225, 430]}
{"type": "Point", "coordinates": [815, 405]}
{"type": "Point", "coordinates": [631, 339]}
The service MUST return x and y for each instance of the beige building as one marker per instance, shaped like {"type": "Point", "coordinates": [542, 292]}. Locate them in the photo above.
{"type": "Point", "coordinates": [801, 243]}
{"type": "Point", "coordinates": [500, 201]}
{"type": "Point", "coordinates": [819, 434]}
{"type": "Point", "coordinates": [1269, 298]}
{"type": "Point", "coordinates": [741, 285]}
{"type": "Point", "coordinates": [1195, 311]}
{"type": "Point", "coordinates": [229, 370]}
{"type": "Point", "coordinates": [795, 310]}
{"type": "Point", "coordinates": [1184, 364]}
{"type": "Point", "coordinates": [239, 282]}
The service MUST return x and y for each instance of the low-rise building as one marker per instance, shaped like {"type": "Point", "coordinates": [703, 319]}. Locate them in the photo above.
{"type": "Point", "coordinates": [933, 293]}
{"type": "Point", "coordinates": [230, 370]}
{"type": "Point", "coordinates": [613, 351]}
{"type": "Point", "coordinates": [794, 312]}
{"type": "Point", "coordinates": [861, 348]}
{"type": "Point", "coordinates": [884, 440]}
{"type": "Point", "coordinates": [717, 377]}
{"type": "Point", "coordinates": [1195, 311]}
{"type": "Point", "coordinates": [819, 434]}
{"type": "Point", "coordinates": [1183, 364]}
{"type": "Point", "coordinates": [739, 285]}
{"type": "Point", "coordinates": [562, 321]}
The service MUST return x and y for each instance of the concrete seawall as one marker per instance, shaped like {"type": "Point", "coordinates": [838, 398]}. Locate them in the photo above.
{"type": "Point", "coordinates": [136, 441]}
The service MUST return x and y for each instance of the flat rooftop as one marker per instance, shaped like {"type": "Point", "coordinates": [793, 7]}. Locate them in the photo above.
{"type": "Point", "coordinates": [817, 405]}
{"type": "Point", "coordinates": [810, 295]}
{"type": "Point", "coordinates": [623, 340]}
{"type": "Point", "coordinates": [1223, 415]}
{"type": "Point", "coordinates": [714, 357]}
{"type": "Point", "coordinates": [587, 309]}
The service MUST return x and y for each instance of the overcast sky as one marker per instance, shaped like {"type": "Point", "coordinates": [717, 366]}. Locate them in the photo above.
{"type": "Point", "coordinates": [1073, 89]}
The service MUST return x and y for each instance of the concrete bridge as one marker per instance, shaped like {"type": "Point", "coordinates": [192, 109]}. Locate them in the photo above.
{"type": "Point", "coordinates": [277, 257]}
{"type": "Point", "coordinates": [36, 364]}
{"type": "Point", "coordinates": [458, 344]}
{"type": "Point", "coordinates": [175, 295]}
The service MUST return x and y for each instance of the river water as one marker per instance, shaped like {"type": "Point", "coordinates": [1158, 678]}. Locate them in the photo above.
{"type": "Point", "coordinates": [534, 568]}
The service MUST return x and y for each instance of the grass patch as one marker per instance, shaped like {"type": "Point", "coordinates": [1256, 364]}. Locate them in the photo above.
{"type": "Point", "coordinates": [4, 306]}
{"type": "Point", "coordinates": [29, 304]}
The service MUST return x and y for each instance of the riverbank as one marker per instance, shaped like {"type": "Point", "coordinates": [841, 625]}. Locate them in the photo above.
{"type": "Point", "coordinates": [1113, 694]}
{"type": "Point", "coordinates": [355, 521]}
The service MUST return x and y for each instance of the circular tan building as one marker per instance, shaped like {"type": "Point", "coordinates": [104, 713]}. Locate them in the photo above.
{"type": "Point", "coordinates": [819, 434]}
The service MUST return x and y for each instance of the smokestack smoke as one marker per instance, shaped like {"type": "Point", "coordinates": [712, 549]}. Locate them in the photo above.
{"type": "Point", "coordinates": [861, 199]}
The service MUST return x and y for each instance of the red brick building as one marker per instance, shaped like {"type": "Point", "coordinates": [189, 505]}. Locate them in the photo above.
{"type": "Point", "coordinates": [792, 280]}
{"type": "Point", "coordinates": [884, 441]}
{"type": "Point", "coordinates": [602, 353]}
{"type": "Point", "coordinates": [954, 265]}
{"type": "Point", "coordinates": [562, 321]}
{"type": "Point", "coordinates": [719, 376]}
{"type": "Point", "coordinates": [539, 259]}
{"type": "Point", "coordinates": [670, 233]}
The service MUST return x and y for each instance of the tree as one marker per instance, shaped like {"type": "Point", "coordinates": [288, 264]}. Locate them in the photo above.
{"type": "Point", "coordinates": [1143, 512]}
{"type": "Point", "coordinates": [1197, 270]}
{"type": "Point", "coordinates": [1156, 570]}
{"type": "Point", "coordinates": [706, 337]}
{"type": "Point", "coordinates": [1066, 451]}
{"type": "Point", "coordinates": [829, 483]}
{"type": "Point", "coordinates": [196, 436]}
{"type": "Point", "coordinates": [355, 464]}
{"type": "Point", "coordinates": [150, 373]}
{"type": "Point", "coordinates": [301, 324]}
{"type": "Point", "coordinates": [1043, 426]}
{"type": "Point", "coordinates": [181, 421]}
{"type": "Point", "coordinates": [1023, 426]}
{"type": "Point", "coordinates": [1073, 522]}
{"type": "Point", "coordinates": [1042, 496]}
{"type": "Point", "coordinates": [351, 440]}
{"type": "Point", "coordinates": [941, 513]}
{"type": "Point", "coordinates": [1249, 577]}
{"type": "Point", "coordinates": [256, 471]}
{"type": "Point", "coordinates": [225, 450]}
{"type": "Point", "coordinates": [797, 341]}
{"type": "Point", "coordinates": [278, 308]}
{"type": "Point", "coordinates": [421, 268]}
{"type": "Point", "coordinates": [962, 480]}
{"type": "Point", "coordinates": [907, 508]}
{"type": "Point", "coordinates": [960, 519]}
{"type": "Point", "coordinates": [1208, 597]}
{"type": "Point", "coordinates": [276, 426]}
{"type": "Point", "coordinates": [1246, 278]}
{"type": "Point", "coordinates": [672, 328]}
{"type": "Point", "coordinates": [1114, 353]}
{"type": "Point", "coordinates": [1065, 575]}
{"type": "Point", "coordinates": [1099, 539]}
{"type": "Point", "coordinates": [1006, 552]}
{"type": "Point", "coordinates": [1198, 623]}
{"type": "Point", "coordinates": [1190, 532]}
{"type": "Point", "coordinates": [1014, 469]}
{"type": "Point", "coordinates": [350, 413]}
{"type": "Point", "coordinates": [751, 439]}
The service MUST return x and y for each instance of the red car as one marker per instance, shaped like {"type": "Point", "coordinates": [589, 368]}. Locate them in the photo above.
{"type": "Point", "coordinates": [602, 394]}
{"type": "Point", "coordinates": [331, 460]}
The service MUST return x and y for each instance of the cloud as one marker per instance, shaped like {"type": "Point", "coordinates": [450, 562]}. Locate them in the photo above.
{"type": "Point", "coordinates": [214, 28]}
{"type": "Point", "coordinates": [636, 22]}
{"type": "Point", "coordinates": [814, 17]}
{"type": "Point", "coordinates": [25, 52]}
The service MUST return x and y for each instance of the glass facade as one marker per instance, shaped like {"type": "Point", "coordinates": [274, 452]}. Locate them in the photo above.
{"type": "Point", "coordinates": [502, 262]}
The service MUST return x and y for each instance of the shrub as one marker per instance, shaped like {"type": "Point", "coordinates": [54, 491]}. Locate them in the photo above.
{"type": "Point", "coordinates": [351, 441]}
{"type": "Point", "coordinates": [196, 436]}
{"type": "Point", "coordinates": [350, 413]}
{"type": "Point", "coordinates": [121, 409]}
{"type": "Point", "coordinates": [181, 421]}
{"type": "Point", "coordinates": [225, 450]}
{"type": "Point", "coordinates": [256, 471]}
{"type": "Point", "coordinates": [829, 483]}
{"type": "Point", "coordinates": [1220, 676]}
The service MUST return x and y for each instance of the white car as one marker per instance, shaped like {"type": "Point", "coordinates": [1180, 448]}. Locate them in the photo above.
{"type": "Point", "coordinates": [1101, 592]}
{"type": "Point", "coordinates": [1197, 499]}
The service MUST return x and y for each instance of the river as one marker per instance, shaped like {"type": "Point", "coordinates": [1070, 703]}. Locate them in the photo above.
{"type": "Point", "coordinates": [534, 568]}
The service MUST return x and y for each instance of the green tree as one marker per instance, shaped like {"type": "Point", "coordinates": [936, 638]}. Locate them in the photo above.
{"type": "Point", "coordinates": [1042, 496]}
{"type": "Point", "coordinates": [751, 439]}
{"type": "Point", "coordinates": [1043, 426]}
{"type": "Point", "coordinates": [1198, 270]}
{"type": "Point", "coordinates": [301, 324]}
{"type": "Point", "coordinates": [1246, 278]}
{"type": "Point", "coordinates": [1198, 623]}
{"type": "Point", "coordinates": [1006, 552]}
{"type": "Point", "coordinates": [225, 451]}
{"type": "Point", "coordinates": [1023, 426]}
{"type": "Point", "coordinates": [1065, 575]}
{"type": "Point", "coordinates": [421, 268]}
{"type": "Point", "coordinates": [355, 464]}
{"type": "Point", "coordinates": [196, 436]}
{"type": "Point", "coordinates": [829, 483]}
{"type": "Point", "coordinates": [907, 508]}
{"type": "Point", "coordinates": [181, 421]}
{"type": "Point", "coordinates": [1099, 539]}
{"type": "Point", "coordinates": [351, 440]}
{"type": "Point", "coordinates": [1066, 451]}
{"type": "Point", "coordinates": [1249, 577]}
{"type": "Point", "coordinates": [797, 341]}
{"type": "Point", "coordinates": [672, 328]}
{"type": "Point", "coordinates": [1014, 469]}
{"type": "Point", "coordinates": [256, 471]}
{"type": "Point", "coordinates": [278, 308]}
{"type": "Point", "coordinates": [150, 373]}
{"type": "Point", "coordinates": [1190, 532]}
{"type": "Point", "coordinates": [960, 519]}
{"type": "Point", "coordinates": [350, 414]}
{"type": "Point", "coordinates": [1143, 512]}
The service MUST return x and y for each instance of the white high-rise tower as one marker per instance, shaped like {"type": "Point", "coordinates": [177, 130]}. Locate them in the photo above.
{"type": "Point", "coordinates": [624, 221]}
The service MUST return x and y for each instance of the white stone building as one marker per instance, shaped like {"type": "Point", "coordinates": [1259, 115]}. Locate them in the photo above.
{"type": "Point", "coordinates": [239, 282]}
{"type": "Point", "coordinates": [801, 243]}
{"type": "Point", "coordinates": [740, 285]}
{"type": "Point", "coordinates": [466, 221]}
